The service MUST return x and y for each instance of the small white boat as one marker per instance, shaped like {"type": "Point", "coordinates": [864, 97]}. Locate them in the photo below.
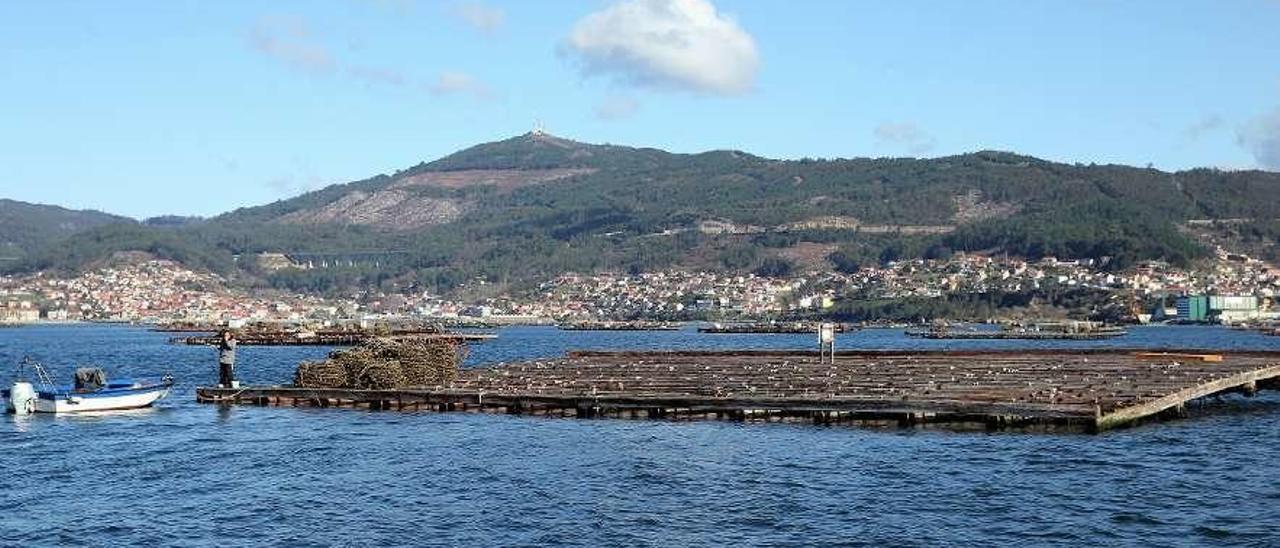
{"type": "Point", "coordinates": [91, 392]}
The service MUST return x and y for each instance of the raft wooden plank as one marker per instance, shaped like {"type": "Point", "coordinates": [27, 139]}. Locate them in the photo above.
{"type": "Point", "coordinates": [1130, 414]}
{"type": "Point", "coordinates": [1095, 389]}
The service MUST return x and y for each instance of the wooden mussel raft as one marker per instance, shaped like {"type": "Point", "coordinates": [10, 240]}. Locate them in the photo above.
{"type": "Point", "coordinates": [338, 337]}
{"type": "Point", "coordinates": [1089, 390]}
{"type": "Point", "coordinates": [618, 326]}
{"type": "Point", "coordinates": [769, 328]}
{"type": "Point", "coordinates": [1042, 331]}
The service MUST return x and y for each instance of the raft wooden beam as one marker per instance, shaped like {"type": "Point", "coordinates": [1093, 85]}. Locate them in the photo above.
{"type": "Point", "coordinates": [1184, 356]}
{"type": "Point", "coordinates": [1245, 382]}
{"type": "Point", "coordinates": [1092, 390]}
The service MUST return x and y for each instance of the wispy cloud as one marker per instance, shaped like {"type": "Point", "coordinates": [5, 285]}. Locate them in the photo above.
{"type": "Point", "coordinates": [1206, 124]}
{"type": "Point", "coordinates": [904, 135]}
{"type": "Point", "coordinates": [617, 107]}
{"type": "Point", "coordinates": [666, 44]}
{"type": "Point", "coordinates": [377, 75]}
{"type": "Point", "coordinates": [398, 7]}
{"type": "Point", "coordinates": [291, 185]}
{"type": "Point", "coordinates": [484, 18]}
{"type": "Point", "coordinates": [1261, 137]}
{"type": "Point", "coordinates": [289, 40]}
{"type": "Point", "coordinates": [459, 83]}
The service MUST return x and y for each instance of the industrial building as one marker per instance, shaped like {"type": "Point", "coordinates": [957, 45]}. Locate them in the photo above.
{"type": "Point", "coordinates": [1193, 308]}
{"type": "Point", "coordinates": [1221, 308]}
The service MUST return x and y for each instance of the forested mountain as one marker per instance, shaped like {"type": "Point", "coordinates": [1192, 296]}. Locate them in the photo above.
{"type": "Point", "coordinates": [537, 205]}
{"type": "Point", "coordinates": [28, 227]}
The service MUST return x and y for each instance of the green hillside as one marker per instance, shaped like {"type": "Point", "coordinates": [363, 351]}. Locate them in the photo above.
{"type": "Point", "coordinates": [535, 205]}
{"type": "Point", "coordinates": [25, 227]}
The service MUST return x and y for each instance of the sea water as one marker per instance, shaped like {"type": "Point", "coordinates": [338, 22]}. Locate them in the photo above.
{"type": "Point", "coordinates": [187, 474]}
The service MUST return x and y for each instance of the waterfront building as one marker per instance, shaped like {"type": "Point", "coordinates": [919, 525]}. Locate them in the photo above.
{"type": "Point", "coordinates": [1193, 308]}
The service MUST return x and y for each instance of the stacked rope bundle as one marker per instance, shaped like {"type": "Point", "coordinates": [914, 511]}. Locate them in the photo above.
{"type": "Point", "coordinates": [427, 362]}
{"type": "Point", "coordinates": [321, 374]}
{"type": "Point", "coordinates": [385, 363]}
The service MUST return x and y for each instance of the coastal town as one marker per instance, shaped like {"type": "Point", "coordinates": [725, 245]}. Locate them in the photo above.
{"type": "Point", "coordinates": [156, 291]}
{"type": "Point", "coordinates": [147, 291]}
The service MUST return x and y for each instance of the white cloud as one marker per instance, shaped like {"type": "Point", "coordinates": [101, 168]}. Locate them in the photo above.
{"type": "Point", "coordinates": [617, 107]}
{"type": "Point", "coordinates": [905, 135]}
{"type": "Point", "coordinates": [460, 83]}
{"type": "Point", "coordinates": [1261, 137]}
{"type": "Point", "coordinates": [673, 44]}
{"type": "Point", "coordinates": [290, 40]}
{"type": "Point", "coordinates": [486, 19]}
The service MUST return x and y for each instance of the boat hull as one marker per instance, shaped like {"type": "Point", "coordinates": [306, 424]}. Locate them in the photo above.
{"type": "Point", "coordinates": [91, 402]}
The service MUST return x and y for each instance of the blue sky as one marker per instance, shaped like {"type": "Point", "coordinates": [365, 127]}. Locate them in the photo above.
{"type": "Point", "coordinates": [195, 108]}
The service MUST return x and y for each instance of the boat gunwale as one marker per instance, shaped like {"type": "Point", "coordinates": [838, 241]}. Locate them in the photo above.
{"type": "Point", "coordinates": [64, 392]}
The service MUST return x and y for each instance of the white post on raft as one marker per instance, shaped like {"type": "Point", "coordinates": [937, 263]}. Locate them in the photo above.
{"type": "Point", "coordinates": [827, 343]}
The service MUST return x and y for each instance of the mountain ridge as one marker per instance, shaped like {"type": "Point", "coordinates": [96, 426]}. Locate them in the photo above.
{"type": "Point", "coordinates": [26, 226]}
{"type": "Point", "coordinates": [536, 204]}
{"type": "Point", "coordinates": [534, 155]}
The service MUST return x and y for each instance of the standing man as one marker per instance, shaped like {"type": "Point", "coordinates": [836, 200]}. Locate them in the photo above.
{"type": "Point", "coordinates": [226, 359]}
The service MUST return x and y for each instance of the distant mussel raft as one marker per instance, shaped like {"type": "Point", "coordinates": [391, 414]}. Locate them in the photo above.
{"type": "Point", "coordinates": [385, 363]}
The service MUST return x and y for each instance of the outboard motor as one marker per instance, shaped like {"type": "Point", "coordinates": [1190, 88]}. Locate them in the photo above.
{"type": "Point", "coordinates": [22, 398]}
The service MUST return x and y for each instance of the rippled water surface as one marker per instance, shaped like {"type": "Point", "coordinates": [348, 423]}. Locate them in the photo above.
{"type": "Point", "coordinates": [199, 475]}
